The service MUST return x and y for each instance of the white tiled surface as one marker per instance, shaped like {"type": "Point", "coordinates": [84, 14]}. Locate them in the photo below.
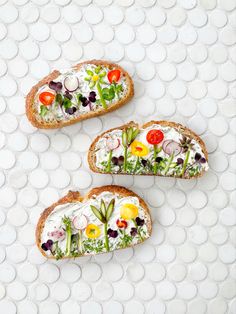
{"type": "Point", "coordinates": [181, 54]}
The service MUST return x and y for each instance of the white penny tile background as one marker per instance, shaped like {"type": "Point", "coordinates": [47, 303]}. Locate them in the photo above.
{"type": "Point", "coordinates": [181, 55]}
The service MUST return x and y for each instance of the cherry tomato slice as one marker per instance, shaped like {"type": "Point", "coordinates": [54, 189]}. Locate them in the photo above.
{"type": "Point", "coordinates": [113, 76]}
{"type": "Point", "coordinates": [154, 137]}
{"type": "Point", "coordinates": [46, 98]}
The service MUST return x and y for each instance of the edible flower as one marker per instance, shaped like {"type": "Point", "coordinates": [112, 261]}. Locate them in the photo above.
{"type": "Point", "coordinates": [128, 211]}
{"type": "Point", "coordinates": [47, 245]}
{"type": "Point", "coordinates": [133, 232]}
{"type": "Point", "coordinates": [139, 221]}
{"type": "Point", "coordinates": [198, 158]}
{"type": "Point", "coordinates": [112, 233]}
{"type": "Point", "coordinates": [139, 149]}
{"type": "Point", "coordinates": [57, 235]}
{"type": "Point", "coordinates": [95, 77]}
{"type": "Point", "coordinates": [92, 231]}
{"type": "Point", "coordinates": [122, 224]}
{"type": "Point", "coordinates": [56, 86]}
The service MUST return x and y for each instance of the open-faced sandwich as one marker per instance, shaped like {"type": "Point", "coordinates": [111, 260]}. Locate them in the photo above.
{"type": "Point", "coordinates": [89, 89]}
{"type": "Point", "coordinates": [159, 148]}
{"type": "Point", "coordinates": [106, 219]}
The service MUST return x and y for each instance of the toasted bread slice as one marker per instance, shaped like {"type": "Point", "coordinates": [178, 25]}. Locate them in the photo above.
{"type": "Point", "coordinates": [70, 102]}
{"type": "Point", "coordinates": [106, 219]}
{"type": "Point", "coordinates": [159, 148]}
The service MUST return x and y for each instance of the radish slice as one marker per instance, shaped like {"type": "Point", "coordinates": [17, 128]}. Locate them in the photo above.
{"type": "Point", "coordinates": [71, 83]}
{"type": "Point", "coordinates": [80, 222]}
{"type": "Point", "coordinates": [113, 143]}
{"type": "Point", "coordinates": [57, 235]}
{"type": "Point", "coordinates": [165, 143]}
{"type": "Point", "coordinates": [173, 148]}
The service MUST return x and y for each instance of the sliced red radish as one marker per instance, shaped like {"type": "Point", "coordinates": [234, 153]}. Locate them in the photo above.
{"type": "Point", "coordinates": [80, 222]}
{"type": "Point", "coordinates": [173, 148]}
{"type": "Point", "coordinates": [57, 235]}
{"type": "Point", "coordinates": [165, 143]}
{"type": "Point", "coordinates": [71, 83]}
{"type": "Point", "coordinates": [113, 143]}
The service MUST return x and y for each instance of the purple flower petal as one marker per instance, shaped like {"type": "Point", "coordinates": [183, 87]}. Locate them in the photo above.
{"type": "Point", "coordinates": [133, 232]}
{"type": "Point", "coordinates": [197, 156]}
{"type": "Point", "coordinates": [139, 221]}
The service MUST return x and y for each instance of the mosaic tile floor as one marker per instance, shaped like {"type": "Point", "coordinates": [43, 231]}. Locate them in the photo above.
{"type": "Point", "coordinates": [181, 54]}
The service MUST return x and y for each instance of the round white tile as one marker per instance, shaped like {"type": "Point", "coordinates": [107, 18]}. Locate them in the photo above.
{"type": "Point", "coordinates": [123, 291]}
{"type": "Point", "coordinates": [166, 290]}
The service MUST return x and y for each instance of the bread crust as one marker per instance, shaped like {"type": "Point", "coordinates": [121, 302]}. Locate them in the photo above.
{"type": "Point", "coordinates": [32, 114]}
{"type": "Point", "coordinates": [184, 130]}
{"type": "Point", "coordinates": [72, 197]}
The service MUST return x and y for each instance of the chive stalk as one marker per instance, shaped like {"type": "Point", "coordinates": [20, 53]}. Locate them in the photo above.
{"type": "Point", "coordinates": [101, 96]}
{"type": "Point", "coordinates": [125, 159]}
{"type": "Point", "coordinates": [155, 156]}
{"type": "Point", "coordinates": [168, 164]}
{"type": "Point", "coordinates": [125, 144]}
{"type": "Point", "coordinates": [67, 223]}
{"type": "Point", "coordinates": [80, 242]}
{"type": "Point", "coordinates": [108, 168]}
{"type": "Point", "coordinates": [106, 238]}
{"type": "Point", "coordinates": [185, 163]}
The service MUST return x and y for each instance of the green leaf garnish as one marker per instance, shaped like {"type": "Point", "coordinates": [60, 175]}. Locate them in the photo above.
{"type": "Point", "coordinates": [97, 213]}
{"type": "Point", "coordinates": [97, 69]}
{"type": "Point", "coordinates": [103, 208]}
{"type": "Point", "coordinates": [89, 72]}
{"type": "Point", "coordinates": [110, 209]}
{"type": "Point", "coordinates": [108, 93]}
{"type": "Point", "coordinates": [124, 139]}
{"type": "Point", "coordinates": [59, 99]}
{"type": "Point", "coordinates": [130, 134]}
{"type": "Point", "coordinates": [103, 74]}
{"type": "Point", "coordinates": [119, 88]}
{"type": "Point", "coordinates": [67, 103]}
{"type": "Point", "coordinates": [43, 111]}
{"type": "Point", "coordinates": [92, 84]}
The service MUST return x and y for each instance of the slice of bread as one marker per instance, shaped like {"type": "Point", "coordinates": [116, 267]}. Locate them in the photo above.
{"type": "Point", "coordinates": [128, 224]}
{"type": "Point", "coordinates": [54, 115]}
{"type": "Point", "coordinates": [186, 156]}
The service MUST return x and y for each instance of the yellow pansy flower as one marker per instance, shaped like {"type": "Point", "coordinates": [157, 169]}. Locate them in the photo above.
{"type": "Point", "coordinates": [95, 77]}
{"type": "Point", "coordinates": [128, 211]}
{"type": "Point", "coordinates": [139, 149]}
{"type": "Point", "coordinates": [92, 231]}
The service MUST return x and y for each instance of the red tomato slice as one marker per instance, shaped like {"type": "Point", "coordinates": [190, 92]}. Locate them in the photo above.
{"type": "Point", "coordinates": [46, 98]}
{"type": "Point", "coordinates": [154, 137]}
{"type": "Point", "coordinates": [113, 76]}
